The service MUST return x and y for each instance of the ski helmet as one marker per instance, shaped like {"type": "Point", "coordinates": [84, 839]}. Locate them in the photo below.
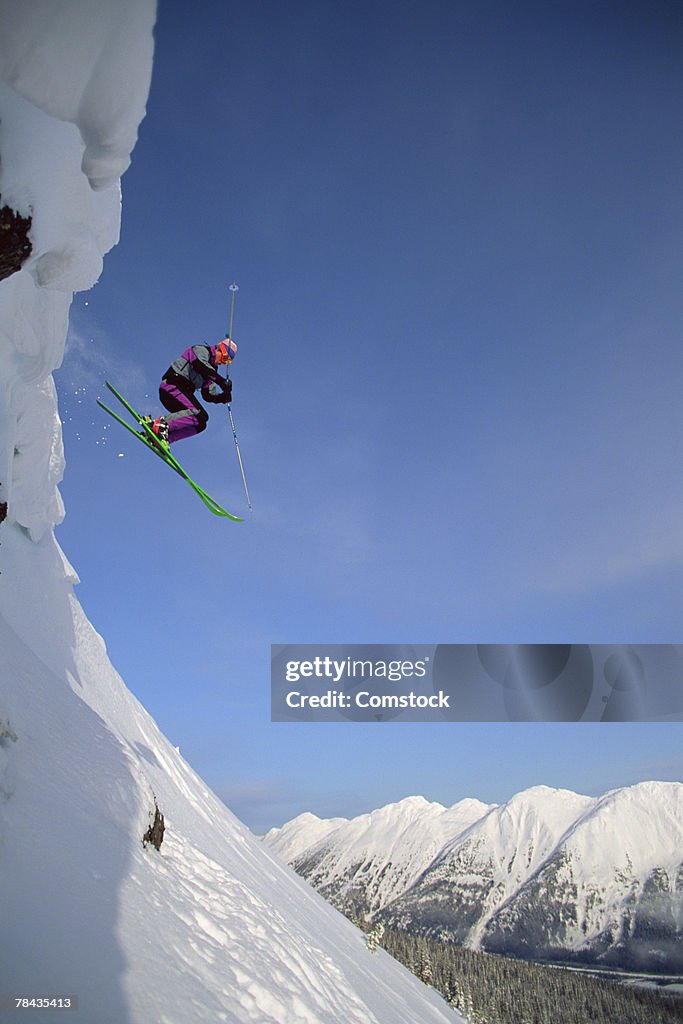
{"type": "Point", "coordinates": [226, 351]}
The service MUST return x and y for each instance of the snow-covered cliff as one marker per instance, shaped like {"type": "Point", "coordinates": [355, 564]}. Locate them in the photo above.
{"type": "Point", "coordinates": [74, 79]}
{"type": "Point", "coordinates": [211, 926]}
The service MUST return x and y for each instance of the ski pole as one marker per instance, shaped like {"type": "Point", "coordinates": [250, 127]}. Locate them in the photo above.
{"type": "Point", "coordinates": [239, 458]}
{"type": "Point", "coordinates": [235, 288]}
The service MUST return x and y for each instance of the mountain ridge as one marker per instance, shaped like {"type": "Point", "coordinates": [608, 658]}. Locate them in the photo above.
{"type": "Point", "coordinates": [548, 874]}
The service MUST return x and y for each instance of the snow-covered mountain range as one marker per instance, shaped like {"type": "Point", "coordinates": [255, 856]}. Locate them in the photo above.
{"type": "Point", "coordinates": [550, 874]}
{"type": "Point", "coordinates": [210, 926]}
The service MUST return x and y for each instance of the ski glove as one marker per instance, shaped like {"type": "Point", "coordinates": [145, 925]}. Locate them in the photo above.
{"type": "Point", "coordinates": [216, 393]}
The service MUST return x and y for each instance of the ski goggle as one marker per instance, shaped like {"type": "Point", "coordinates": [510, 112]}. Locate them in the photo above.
{"type": "Point", "coordinates": [226, 351]}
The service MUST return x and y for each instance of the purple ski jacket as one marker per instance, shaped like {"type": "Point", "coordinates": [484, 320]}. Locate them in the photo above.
{"type": "Point", "coordinates": [197, 366]}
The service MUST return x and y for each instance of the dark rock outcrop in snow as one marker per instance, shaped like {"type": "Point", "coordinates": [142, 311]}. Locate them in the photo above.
{"type": "Point", "coordinates": [15, 244]}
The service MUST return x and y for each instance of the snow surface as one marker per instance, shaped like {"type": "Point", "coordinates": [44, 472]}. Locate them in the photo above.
{"type": "Point", "coordinates": [212, 927]}
{"type": "Point", "coordinates": [88, 62]}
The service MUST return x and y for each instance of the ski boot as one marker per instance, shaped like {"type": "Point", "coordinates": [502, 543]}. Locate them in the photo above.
{"type": "Point", "coordinates": [159, 428]}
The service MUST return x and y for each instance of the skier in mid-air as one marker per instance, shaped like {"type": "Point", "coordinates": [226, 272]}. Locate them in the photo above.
{"type": "Point", "coordinates": [195, 370]}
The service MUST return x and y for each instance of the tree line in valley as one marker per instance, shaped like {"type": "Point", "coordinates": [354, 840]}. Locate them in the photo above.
{"type": "Point", "coordinates": [490, 989]}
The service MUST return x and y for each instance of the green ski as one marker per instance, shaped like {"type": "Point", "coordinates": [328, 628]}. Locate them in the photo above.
{"type": "Point", "coordinates": [150, 442]}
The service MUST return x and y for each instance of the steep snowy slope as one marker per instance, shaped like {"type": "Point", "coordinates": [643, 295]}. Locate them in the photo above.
{"type": "Point", "coordinates": [210, 927]}
{"type": "Point", "coordinates": [363, 864]}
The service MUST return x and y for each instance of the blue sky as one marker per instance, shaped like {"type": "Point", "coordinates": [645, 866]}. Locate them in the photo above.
{"type": "Point", "coordinates": [456, 231]}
